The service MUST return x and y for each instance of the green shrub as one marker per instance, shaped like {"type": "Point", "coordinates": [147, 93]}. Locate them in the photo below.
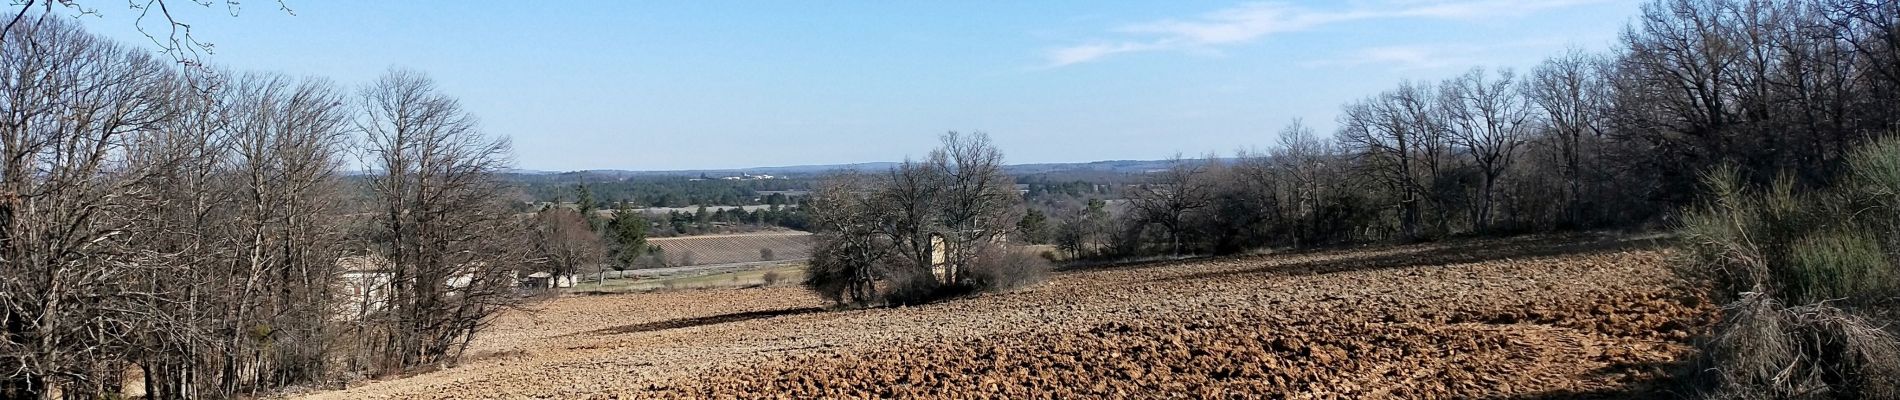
{"type": "Point", "coordinates": [1803, 248]}
{"type": "Point", "coordinates": [1717, 235]}
{"type": "Point", "coordinates": [1837, 263]}
{"type": "Point", "coordinates": [1830, 253]}
{"type": "Point", "coordinates": [1876, 171]}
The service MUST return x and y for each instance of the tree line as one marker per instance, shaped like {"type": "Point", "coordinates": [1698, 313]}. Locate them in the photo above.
{"type": "Point", "coordinates": [1584, 140]}
{"type": "Point", "coordinates": [192, 226]}
{"type": "Point", "coordinates": [658, 191]}
{"type": "Point", "coordinates": [704, 220]}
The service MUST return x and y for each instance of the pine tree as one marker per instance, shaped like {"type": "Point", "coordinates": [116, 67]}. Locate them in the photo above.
{"type": "Point", "coordinates": [628, 234]}
{"type": "Point", "coordinates": [1034, 227]}
{"type": "Point", "coordinates": [584, 202]}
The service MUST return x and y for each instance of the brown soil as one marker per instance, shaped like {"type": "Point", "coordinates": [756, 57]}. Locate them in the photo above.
{"type": "Point", "coordinates": [1526, 318]}
{"type": "Point", "coordinates": [737, 248]}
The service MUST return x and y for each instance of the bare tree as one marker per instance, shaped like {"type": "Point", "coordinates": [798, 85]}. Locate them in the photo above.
{"type": "Point", "coordinates": [1306, 165]}
{"type": "Point", "coordinates": [1670, 90]}
{"type": "Point", "coordinates": [1170, 195]}
{"type": "Point", "coordinates": [186, 224]}
{"type": "Point", "coordinates": [1400, 140]}
{"type": "Point", "coordinates": [245, 206]}
{"type": "Point", "coordinates": [1489, 119]}
{"type": "Point", "coordinates": [977, 201]}
{"type": "Point", "coordinates": [564, 242]}
{"type": "Point", "coordinates": [71, 106]}
{"type": "Point", "coordinates": [1868, 31]}
{"type": "Point", "coordinates": [1244, 211]}
{"type": "Point", "coordinates": [441, 223]}
{"type": "Point", "coordinates": [188, 229]}
{"type": "Point", "coordinates": [850, 244]}
{"type": "Point", "coordinates": [174, 38]}
{"type": "Point", "coordinates": [906, 204]}
{"type": "Point", "coordinates": [1572, 91]}
{"type": "Point", "coordinates": [922, 226]}
{"type": "Point", "coordinates": [294, 160]}
{"type": "Point", "coordinates": [1082, 229]}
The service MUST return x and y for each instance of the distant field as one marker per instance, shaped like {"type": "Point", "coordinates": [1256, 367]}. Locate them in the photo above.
{"type": "Point", "coordinates": [736, 276]}
{"type": "Point", "coordinates": [789, 273]}
{"type": "Point", "coordinates": [736, 248]}
{"type": "Point", "coordinates": [693, 209]}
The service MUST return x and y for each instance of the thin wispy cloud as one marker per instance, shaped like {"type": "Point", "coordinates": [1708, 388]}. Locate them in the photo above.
{"type": "Point", "coordinates": [1430, 56]}
{"type": "Point", "coordinates": [1250, 22]}
{"type": "Point", "coordinates": [1412, 57]}
{"type": "Point", "coordinates": [1091, 52]}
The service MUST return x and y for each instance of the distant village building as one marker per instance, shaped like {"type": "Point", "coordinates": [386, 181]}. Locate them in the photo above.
{"type": "Point", "coordinates": [363, 287]}
{"type": "Point", "coordinates": [749, 177]}
{"type": "Point", "coordinates": [940, 253]}
{"type": "Point", "coordinates": [741, 177]}
{"type": "Point", "coordinates": [547, 280]}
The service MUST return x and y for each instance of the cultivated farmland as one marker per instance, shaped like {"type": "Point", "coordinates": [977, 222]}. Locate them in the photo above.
{"type": "Point", "coordinates": [735, 248]}
{"type": "Point", "coordinates": [1545, 317]}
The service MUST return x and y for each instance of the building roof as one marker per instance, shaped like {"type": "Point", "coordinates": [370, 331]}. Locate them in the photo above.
{"type": "Point", "coordinates": [363, 263]}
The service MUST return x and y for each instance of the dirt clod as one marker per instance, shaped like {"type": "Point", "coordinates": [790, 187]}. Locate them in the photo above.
{"type": "Point", "coordinates": [1518, 318]}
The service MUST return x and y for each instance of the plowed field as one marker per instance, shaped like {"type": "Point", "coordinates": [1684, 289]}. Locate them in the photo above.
{"type": "Point", "coordinates": [1525, 318]}
{"type": "Point", "coordinates": [736, 248]}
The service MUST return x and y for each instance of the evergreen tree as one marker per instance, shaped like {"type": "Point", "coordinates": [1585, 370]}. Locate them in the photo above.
{"type": "Point", "coordinates": [1034, 227]}
{"type": "Point", "coordinates": [584, 202]}
{"type": "Point", "coordinates": [628, 234]}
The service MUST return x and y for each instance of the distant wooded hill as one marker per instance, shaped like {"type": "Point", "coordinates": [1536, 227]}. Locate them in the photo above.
{"type": "Point", "coordinates": [780, 185]}
{"type": "Point", "coordinates": [809, 171]}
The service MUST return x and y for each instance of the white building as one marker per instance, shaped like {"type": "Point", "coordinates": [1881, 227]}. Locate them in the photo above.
{"type": "Point", "coordinates": [546, 280]}
{"type": "Point", "coordinates": [363, 286]}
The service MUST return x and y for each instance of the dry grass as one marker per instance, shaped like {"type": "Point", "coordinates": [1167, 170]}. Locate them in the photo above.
{"type": "Point", "coordinates": [716, 278]}
{"type": "Point", "coordinates": [1765, 350]}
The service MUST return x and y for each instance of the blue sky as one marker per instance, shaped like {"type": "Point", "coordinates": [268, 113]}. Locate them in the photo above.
{"type": "Point", "coordinates": [651, 85]}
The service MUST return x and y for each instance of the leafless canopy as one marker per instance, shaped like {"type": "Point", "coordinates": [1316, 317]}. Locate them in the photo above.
{"type": "Point", "coordinates": [191, 226]}
{"type": "Point", "coordinates": [922, 225]}
{"type": "Point", "coordinates": [451, 244]}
